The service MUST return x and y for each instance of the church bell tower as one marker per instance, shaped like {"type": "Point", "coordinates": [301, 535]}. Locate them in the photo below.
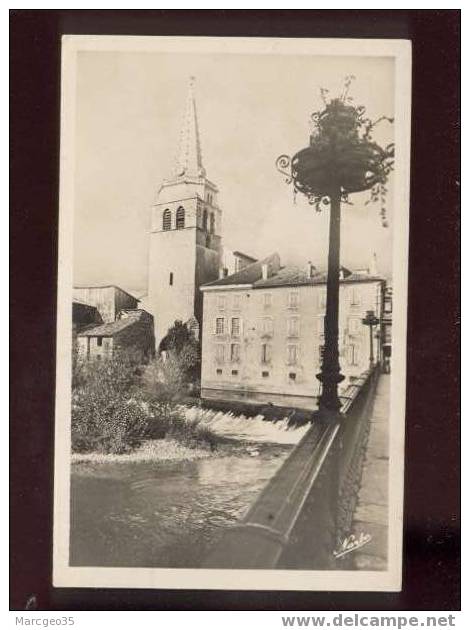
{"type": "Point", "coordinates": [185, 241]}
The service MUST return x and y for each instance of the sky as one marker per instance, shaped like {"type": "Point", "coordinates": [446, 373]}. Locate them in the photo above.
{"type": "Point", "coordinates": [251, 109]}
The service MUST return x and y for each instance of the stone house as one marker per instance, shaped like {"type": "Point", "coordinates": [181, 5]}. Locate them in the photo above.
{"type": "Point", "coordinates": [131, 332]}
{"type": "Point", "coordinates": [106, 319]}
{"type": "Point", "coordinates": [263, 333]}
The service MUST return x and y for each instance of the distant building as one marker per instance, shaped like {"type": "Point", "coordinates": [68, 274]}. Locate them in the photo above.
{"type": "Point", "coordinates": [387, 322]}
{"type": "Point", "coordinates": [109, 300]}
{"type": "Point", "coordinates": [106, 319]}
{"type": "Point", "coordinates": [131, 333]}
{"type": "Point", "coordinates": [233, 261]}
{"type": "Point", "coordinates": [263, 333]}
{"type": "Point", "coordinates": [185, 235]}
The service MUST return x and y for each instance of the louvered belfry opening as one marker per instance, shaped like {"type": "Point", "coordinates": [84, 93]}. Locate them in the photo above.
{"type": "Point", "coordinates": [180, 218]}
{"type": "Point", "coordinates": [166, 223]}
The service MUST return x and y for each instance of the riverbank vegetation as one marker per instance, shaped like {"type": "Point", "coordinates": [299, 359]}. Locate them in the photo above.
{"type": "Point", "coordinates": [118, 404]}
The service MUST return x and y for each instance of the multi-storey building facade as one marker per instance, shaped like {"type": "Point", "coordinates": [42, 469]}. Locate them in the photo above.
{"type": "Point", "coordinates": [263, 333]}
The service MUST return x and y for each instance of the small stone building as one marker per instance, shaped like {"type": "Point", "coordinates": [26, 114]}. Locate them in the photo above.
{"type": "Point", "coordinates": [106, 319]}
{"type": "Point", "coordinates": [132, 332]}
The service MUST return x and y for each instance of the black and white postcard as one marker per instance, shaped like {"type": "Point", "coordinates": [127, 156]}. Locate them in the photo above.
{"type": "Point", "coordinates": [232, 307]}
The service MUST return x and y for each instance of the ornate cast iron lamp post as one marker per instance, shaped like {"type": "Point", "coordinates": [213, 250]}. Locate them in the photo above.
{"type": "Point", "coordinates": [371, 320]}
{"type": "Point", "coordinates": [341, 159]}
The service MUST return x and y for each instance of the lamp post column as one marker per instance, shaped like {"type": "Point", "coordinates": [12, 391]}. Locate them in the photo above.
{"type": "Point", "coordinates": [330, 374]}
{"type": "Point", "coordinates": [371, 320]}
{"type": "Point", "coordinates": [371, 349]}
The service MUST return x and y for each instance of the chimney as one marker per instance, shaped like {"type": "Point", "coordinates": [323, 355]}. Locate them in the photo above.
{"type": "Point", "coordinates": [373, 265]}
{"type": "Point", "coordinates": [264, 271]}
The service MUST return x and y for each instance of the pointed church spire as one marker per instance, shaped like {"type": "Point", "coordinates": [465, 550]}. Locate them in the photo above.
{"type": "Point", "coordinates": [189, 157]}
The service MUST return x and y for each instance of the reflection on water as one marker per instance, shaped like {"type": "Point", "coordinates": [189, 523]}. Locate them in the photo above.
{"type": "Point", "coordinates": [162, 514]}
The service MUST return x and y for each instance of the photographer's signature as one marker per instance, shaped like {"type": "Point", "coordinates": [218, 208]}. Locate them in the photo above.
{"type": "Point", "coordinates": [351, 543]}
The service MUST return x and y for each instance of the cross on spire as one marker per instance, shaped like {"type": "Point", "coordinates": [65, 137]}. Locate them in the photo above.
{"type": "Point", "coordinates": [189, 157]}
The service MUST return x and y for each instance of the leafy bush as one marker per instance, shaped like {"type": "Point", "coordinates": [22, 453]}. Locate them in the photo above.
{"type": "Point", "coordinates": [107, 424]}
{"type": "Point", "coordinates": [116, 404]}
{"type": "Point", "coordinates": [105, 415]}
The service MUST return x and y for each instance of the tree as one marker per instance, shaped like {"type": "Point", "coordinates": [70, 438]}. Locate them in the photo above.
{"type": "Point", "coordinates": [181, 347]}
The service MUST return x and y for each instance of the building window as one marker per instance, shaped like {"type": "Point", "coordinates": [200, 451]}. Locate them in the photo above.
{"type": "Point", "coordinates": [166, 223]}
{"type": "Point", "coordinates": [267, 326]}
{"type": "Point", "coordinates": [99, 341]}
{"type": "Point", "coordinates": [268, 300]}
{"type": "Point", "coordinates": [353, 325]}
{"type": "Point", "coordinates": [212, 223]}
{"type": "Point", "coordinates": [220, 353]}
{"type": "Point", "coordinates": [293, 299]}
{"type": "Point", "coordinates": [236, 302]}
{"type": "Point", "coordinates": [265, 353]}
{"type": "Point", "coordinates": [293, 327]}
{"type": "Point", "coordinates": [292, 354]}
{"type": "Point", "coordinates": [219, 371]}
{"type": "Point", "coordinates": [221, 300]}
{"type": "Point", "coordinates": [180, 218]}
{"type": "Point", "coordinates": [235, 352]}
{"type": "Point", "coordinates": [204, 220]}
{"type": "Point", "coordinates": [219, 326]}
{"type": "Point", "coordinates": [171, 278]}
{"type": "Point", "coordinates": [235, 327]}
{"type": "Point", "coordinates": [292, 376]}
{"type": "Point", "coordinates": [355, 296]}
{"type": "Point", "coordinates": [353, 355]}
{"type": "Point", "coordinates": [234, 372]}
{"type": "Point", "coordinates": [265, 374]}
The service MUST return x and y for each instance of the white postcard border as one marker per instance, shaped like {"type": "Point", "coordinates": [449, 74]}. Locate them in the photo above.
{"type": "Point", "coordinates": [389, 580]}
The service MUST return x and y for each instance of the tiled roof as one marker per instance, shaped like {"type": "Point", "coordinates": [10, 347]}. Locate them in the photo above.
{"type": "Point", "coordinates": [242, 255]}
{"type": "Point", "coordinates": [112, 328]}
{"type": "Point", "coordinates": [290, 275]}
{"type": "Point", "coordinates": [108, 330]}
{"type": "Point", "coordinates": [297, 276]}
{"type": "Point", "coordinates": [248, 275]}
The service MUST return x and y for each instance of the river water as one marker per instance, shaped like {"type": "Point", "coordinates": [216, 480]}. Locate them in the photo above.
{"type": "Point", "coordinates": [163, 514]}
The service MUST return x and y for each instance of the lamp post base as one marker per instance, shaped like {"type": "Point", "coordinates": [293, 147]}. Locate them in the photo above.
{"type": "Point", "coordinates": [329, 399]}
